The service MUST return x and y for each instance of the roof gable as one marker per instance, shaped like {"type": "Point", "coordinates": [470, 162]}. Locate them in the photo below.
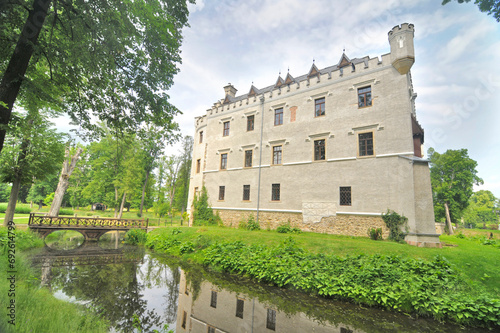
{"type": "Point", "coordinates": [344, 61]}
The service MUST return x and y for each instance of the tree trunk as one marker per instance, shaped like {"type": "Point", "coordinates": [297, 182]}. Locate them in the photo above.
{"type": "Point", "coordinates": [18, 64]}
{"type": "Point", "coordinates": [121, 206]}
{"type": "Point", "coordinates": [143, 192]}
{"type": "Point", "coordinates": [63, 184]}
{"type": "Point", "coordinates": [116, 202]}
{"type": "Point", "coordinates": [448, 219]}
{"type": "Point", "coordinates": [11, 207]}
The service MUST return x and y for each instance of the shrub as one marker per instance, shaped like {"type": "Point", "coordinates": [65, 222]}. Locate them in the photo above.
{"type": "Point", "coordinates": [136, 236]}
{"type": "Point", "coordinates": [202, 212]}
{"type": "Point", "coordinates": [243, 224]}
{"type": "Point", "coordinates": [252, 224]}
{"type": "Point", "coordinates": [375, 233]}
{"type": "Point", "coordinates": [286, 229]}
{"type": "Point", "coordinates": [395, 223]}
{"type": "Point", "coordinates": [66, 212]}
{"type": "Point", "coordinates": [22, 210]}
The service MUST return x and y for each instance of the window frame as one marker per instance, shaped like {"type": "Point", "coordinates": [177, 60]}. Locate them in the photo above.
{"type": "Point", "coordinates": [225, 128]}
{"type": "Point", "coordinates": [201, 137]}
{"type": "Point", "coordinates": [246, 189]}
{"type": "Point", "coordinates": [364, 153]}
{"type": "Point", "coordinates": [365, 94]}
{"type": "Point", "coordinates": [275, 192]}
{"type": "Point", "coordinates": [240, 309]}
{"type": "Point", "coordinates": [222, 192]}
{"type": "Point", "coordinates": [184, 319]}
{"type": "Point", "coordinates": [198, 165]}
{"type": "Point", "coordinates": [250, 121]}
{"type": "Point", "coordinates": [278, 116]}
{"type": "Point", "coordinates": [223, 161]}
{"type": "Point", "coordinates": [315, 150]}
{"type": "Point", "coordinates": [343, 191]}
{"type": "Point", "coordinates": [213, 299]}
{"type": "Point", "coordinates": [322, 105]}
{"type": "Point", "coordinates": [280, 154]}
{"type": "Point", "coordinates": [246, 164]}
{"type": "Point", "coordinates": [271, 319]}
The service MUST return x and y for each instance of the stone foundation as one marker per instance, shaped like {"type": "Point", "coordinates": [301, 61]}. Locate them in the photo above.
{"type": "Point", "coordinates": [350, 225]}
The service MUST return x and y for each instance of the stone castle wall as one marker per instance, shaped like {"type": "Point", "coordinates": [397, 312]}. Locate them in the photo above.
{"type": "Point", "coordinates": [350, 225]}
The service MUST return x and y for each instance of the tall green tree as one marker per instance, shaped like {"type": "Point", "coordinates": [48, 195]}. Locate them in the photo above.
{"type": "Point", "coordinates": [181, 196]}
{"type": "Point", "coordinates": [481, 209]}
{"type": "Point", "coordinates": [453, 175]}
{"type": "Point", "coordinates": [33, 150]}
{"type": "Point", "coordinates": [492, 7]}
{"type": "Point", "coordinates": [92, 52]}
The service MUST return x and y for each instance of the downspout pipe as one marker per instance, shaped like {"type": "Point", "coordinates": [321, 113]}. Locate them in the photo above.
{"type": "Point", "coordinates": [262, 99]}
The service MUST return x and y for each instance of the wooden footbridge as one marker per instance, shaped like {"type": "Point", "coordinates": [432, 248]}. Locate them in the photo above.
{"type": "Point", "coordinates": [92, 228]}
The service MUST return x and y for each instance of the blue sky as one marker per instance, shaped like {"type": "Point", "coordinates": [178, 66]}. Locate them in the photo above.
{"type": "Point", "coordinates": [456, 72]}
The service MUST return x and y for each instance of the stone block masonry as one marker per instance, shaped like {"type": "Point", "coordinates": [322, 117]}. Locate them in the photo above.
{"type": "Point", "coordinates": [349, 225]}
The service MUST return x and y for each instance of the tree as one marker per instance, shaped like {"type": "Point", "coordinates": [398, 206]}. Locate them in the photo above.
{"type": "Point", "coordinates": [492, 7]}
{"type": "Point", "coordinates": [481, 209]}
{"type": "Point", "coordinates": [33, 150]}
{"type": "Point", "coordinates": [92, 52]}
{"type": "Point", "coordinates": [181, 197]}
{"type": "Point", "coordinates": [202, 212]}
{"type": "Point", "coordinates": [453, 175]}
{"type": "Point", "coordinates": [67, 169]}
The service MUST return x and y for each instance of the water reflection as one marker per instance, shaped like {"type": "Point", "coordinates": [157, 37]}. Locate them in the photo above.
{"type": "Point", "coordinates": [124, 282]}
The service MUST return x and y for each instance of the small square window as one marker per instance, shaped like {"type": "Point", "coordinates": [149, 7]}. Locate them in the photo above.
{"type": "Point", "coordinates": [278, 117]}
{"type": "Point", "coordinates": [226, 129]}
{"type": "Point", "coordinates": [240, 304]}
{"type": "Point", "coordinates": [246, 192]}
{"type": "Point", "coordinates": [319, 107]}
{"type": "Point", "coordinates": [364, 97]}
{"type": "Point", "coordinates": [271, 319]}
{"type": "Point", "coordinates": [345, 195]}
{"type": "Point", "coordinates": [319, 150]}
{"type": "Point", "coordinates": [248, 158]}
{"type": "Point", "coordinates": [223, 161]}
{"type": "Point", "coordinates": [250, 123]}
{"type": "Point", "coordinates": [277, 154]}
{"type": "Point", "coordinates": [213, 299]}
{"type": "Point", "coordinates": [198, 166]}
{"type": "Point", "coordinates": [222, 192]}
{"type": "Point", "coordinates": [201, 136]}
{"type": "Point", "coordinates": [210, 329]}
{"type": "Point", "coordinates": [365, 144]}
{"type": "Point", "coordinates": [275, 192]}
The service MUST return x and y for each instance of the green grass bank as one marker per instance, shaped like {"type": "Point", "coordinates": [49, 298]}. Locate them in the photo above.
{"type": "Point", "coordinates": [36, 309]}
{"type": "Point", "coordinates": [458, 283]}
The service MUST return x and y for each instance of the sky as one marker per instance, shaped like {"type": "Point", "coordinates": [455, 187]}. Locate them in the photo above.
{"type": "Point", "coordinates": [456, 72]}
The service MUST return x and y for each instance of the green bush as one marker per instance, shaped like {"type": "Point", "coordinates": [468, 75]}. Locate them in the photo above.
{"type": "Point", "coordinates": [66, 212]}
{"type": "Point", "coordinates": [287, 229]}
{"type": "Point", "coordinates": [136, 236]}
{"type": "Point", "coordinates": [252, 224]}
{"type": "Point", "coordinates": [375, 233]}
{"type": "Point", "coordinates": [18, 210]}
{"type": "Point", "coordinates": [203, 213]}
{"type": "Point", "coordinates": [395, 223]}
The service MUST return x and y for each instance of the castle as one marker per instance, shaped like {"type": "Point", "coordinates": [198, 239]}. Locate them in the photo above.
{"type": "Point", "coordinates": [328, 151]}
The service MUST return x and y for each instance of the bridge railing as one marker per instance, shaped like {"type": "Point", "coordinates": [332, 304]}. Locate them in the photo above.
{"type": "Point", "coordinates": [84, 222]}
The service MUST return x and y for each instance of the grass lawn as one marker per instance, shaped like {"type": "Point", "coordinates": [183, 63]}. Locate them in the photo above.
{"type": "Point", "coordinates": [478, 263]}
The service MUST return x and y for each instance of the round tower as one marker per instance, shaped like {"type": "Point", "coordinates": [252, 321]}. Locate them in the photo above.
{"type": "Point", "coordinates": [402, 50]}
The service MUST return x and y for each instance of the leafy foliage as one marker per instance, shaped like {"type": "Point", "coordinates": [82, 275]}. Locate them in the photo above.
{"type": "Point", "coordinates": [395, 223]}
{"type": "Point", "coordinates": [492, 7]}
{"type": "Point", "coordinates": [285, 228]}
{"type": "Point", "coordinates": [375, 233]}
{"type": "Point", "coordinates": [18, 210]}
{"type": "Point", "coordinates": [203, 213]}
{"type": "Point", "coordinates": [136, 236]}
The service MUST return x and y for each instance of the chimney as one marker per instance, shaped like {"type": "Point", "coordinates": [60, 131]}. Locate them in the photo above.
{"type": "Point", "coordinates": [230, 90]}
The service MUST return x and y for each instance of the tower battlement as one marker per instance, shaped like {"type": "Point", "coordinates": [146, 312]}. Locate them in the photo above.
{"type": "Point", "coordinates": [400, 28]}
{"type": "Point", "coordinates": [402, 49]}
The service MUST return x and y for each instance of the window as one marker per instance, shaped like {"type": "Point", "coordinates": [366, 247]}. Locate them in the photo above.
{"type": "Point", "coordinates": [345, 195]}
{"type": "Point", "coordinates": [198, 166]}
{"type": "Point", "coordinates": [365, 144]}
{"type": "Point", "coordinates": [278, 117]}
{"type": "Point", "coordinates": [196, 191]}
{"type": "Point", "coordinates": [226, 129]}
{"type": "Point", "coordinates": [210, 329]}
{"type": "Point", "coordinates": [213, 299]}
{"type": "Point", "coordinates": [248, 158]}
{"type": "Point", "coordinates": [275, 192]}
{"type": "Point", "coordinates": [184, 319]}
{"type": "Point", "coordinates": [364, 97]}
{"type": "Point", "coordinates": [201, 136]}
{"type": "Point", "coordinates": [222, 192]}
{"type": "Point", "coordinates": [223, 161]}
{"type": "Point", "coordinates": [319, 107]}
{"type": "Point", "coordinates": [277, 151]}
{"type": "Point", "coordinates": [250, 123]}
{"type": "Point", "coordinates": [186, 289]}
{"type": "Point", "coordinates": [240, 304]}
{"type": "Point", "coordinates": [271, 319]}
{"type": "Point", "coordinates": [319, 150]}
{"type": "Point", "coordinates": [246, 192]}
